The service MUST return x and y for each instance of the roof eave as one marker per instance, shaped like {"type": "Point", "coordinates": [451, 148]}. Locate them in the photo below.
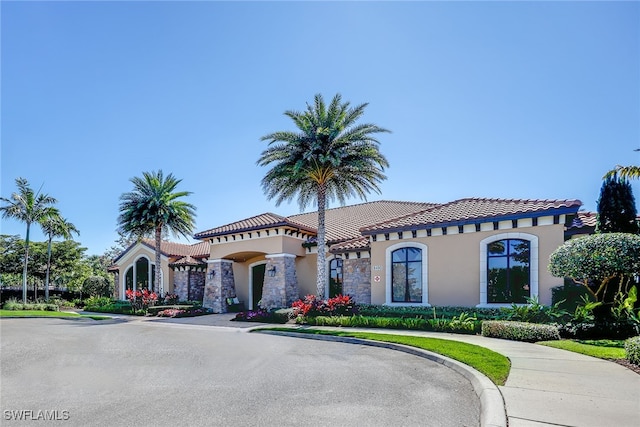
{"type": "Point", "coordinates": [479, 220]}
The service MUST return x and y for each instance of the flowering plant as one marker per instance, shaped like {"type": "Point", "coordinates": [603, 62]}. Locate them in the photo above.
{"type": "Point", "coordinates": [141, 299]}
{"type": "Point", "coordinates": [311, 306]}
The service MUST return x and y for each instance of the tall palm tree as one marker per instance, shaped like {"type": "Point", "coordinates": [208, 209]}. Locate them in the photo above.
{"type": "Point", "coordinates": [153, 208]}
{"type": "Point", "coordinates": [28, 207]}
{"type": "Point", "coordinates": [55, 226]}
{"type": "Point", "coordinates": [329, 157]}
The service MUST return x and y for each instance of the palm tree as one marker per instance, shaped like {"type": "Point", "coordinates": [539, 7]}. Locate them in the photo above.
{"type": "Point", "coordinates": [28, 207]}
{"type": "Point", "coordinates": [330, 157]}
{"type": "Point", "coordinates": [625, 172]}
{"type": "Point", "coordinates": [152, 208]}
{"type": "Point", "coordinates": [55, 226]}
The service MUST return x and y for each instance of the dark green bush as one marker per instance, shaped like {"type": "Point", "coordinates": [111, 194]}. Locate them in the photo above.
{"type": "Point", "coordinates": [519, 331]}
{"type": "Point", "coordinates": [598, 330]}
{"type": "Point", "coordinates": [97, 286]}
{"type": "Point", "coordinates": [459, 325]}
{"type": "Point", "coordinates": [428, 312]}
{"type": "Point", "coordinates": [632, 350]}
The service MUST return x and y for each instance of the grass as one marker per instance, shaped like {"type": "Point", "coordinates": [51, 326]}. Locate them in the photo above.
{"type": "Point", "coordinates": [42, 313]}
{"type": "Point", "coordinates": [603, 349]}
{"type": "Point", "coordinates": [494, 365]}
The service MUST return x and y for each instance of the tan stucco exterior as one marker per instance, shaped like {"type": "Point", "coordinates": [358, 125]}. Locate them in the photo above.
{"type": "Point", "coordinates": [453, 264]}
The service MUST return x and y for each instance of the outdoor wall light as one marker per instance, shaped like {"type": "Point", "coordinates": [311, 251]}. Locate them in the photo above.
{"type": "Point", "coordinates": [272, 271]}
{"type": "Point", "coordinates": [212, 274]}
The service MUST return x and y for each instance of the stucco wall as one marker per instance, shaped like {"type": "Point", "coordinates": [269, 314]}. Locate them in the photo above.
{"type": "Point", "coordinates": [268, 245]}
{"type": "Point", "coordinates": [142, 251]}
{"type": "Point", "coordinates": [453, 264]}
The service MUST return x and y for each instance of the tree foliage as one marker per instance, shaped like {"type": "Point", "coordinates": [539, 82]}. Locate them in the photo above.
{"type": "Point", "coordinates": [616, 207]}
{"type": "Point", "coordinates": [598, 261]}
{"type": "Point", "coordinates": [624, 172]}
{"type": "Point", "coordinates": [151, 208]}
{"type": "Point", "coordinates": [97, 286]}
{"type": "Point", "coordinates": [329, 157]}
{"type": "Point", "coordinates": [28, 207]}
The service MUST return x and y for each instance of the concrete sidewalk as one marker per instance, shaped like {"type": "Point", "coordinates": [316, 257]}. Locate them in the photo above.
{"type": "Point", "coordinates": [546, 386]}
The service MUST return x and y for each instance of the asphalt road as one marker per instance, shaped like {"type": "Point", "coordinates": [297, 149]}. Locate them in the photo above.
{"type": "Point", "coordinates": [106, 373]}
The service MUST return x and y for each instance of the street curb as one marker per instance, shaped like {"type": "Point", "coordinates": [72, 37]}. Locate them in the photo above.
{"type": "Point", "coordinates": [492, 407]}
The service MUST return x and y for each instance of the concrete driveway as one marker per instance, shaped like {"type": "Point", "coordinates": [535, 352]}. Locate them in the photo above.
{"type": "Point", "coordinates": [132, 373]}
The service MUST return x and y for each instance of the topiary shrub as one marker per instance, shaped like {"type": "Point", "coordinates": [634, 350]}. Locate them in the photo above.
{"type": "Point", "coordinates": [632, 350]}
{"type": "Point", "coordinates": [519, 331]}
{"type": "Point", "coordinates": [598, 261]}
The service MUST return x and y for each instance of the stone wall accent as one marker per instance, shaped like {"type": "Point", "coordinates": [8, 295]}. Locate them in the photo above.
{"type": "Point", "coordinates": [357, 279]}
{"type": "Point", "coordinates": [281, 289]}
{"type": "Point", "coordinates": [220, 286]}
{"type": "Point", "coordinates": [196, 284]}
{"type": "Point", "coordinates": [181, 283]}
{"type": "Point", "coordinates": [189, 282]}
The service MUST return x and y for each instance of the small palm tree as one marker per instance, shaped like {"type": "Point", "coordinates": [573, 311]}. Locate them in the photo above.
{"type": "Point", "coordinates": [153, 208]}
{"type": "Point", "coordinates": [55, 226]}
{"type": "Point", "coordinates": [28, 207]}
{"type": "Point", "coordinates": [330, 157]}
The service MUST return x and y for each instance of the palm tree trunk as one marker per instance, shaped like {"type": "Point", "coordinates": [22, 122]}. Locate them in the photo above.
{"type": "Point", "coordinates": [24, 268]}
{"type": "Point", "coordinates": [322, 258]}
{"type": "Point", "coordinates": [46, 280]}
{"type": "Point", "coordinates": [156, 278]}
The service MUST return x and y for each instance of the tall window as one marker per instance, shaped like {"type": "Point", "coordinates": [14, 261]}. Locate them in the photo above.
{"type": "Point", "coordinates": [143, 275]}
{"type": "Point", "coordinates": [508, 271]}
{"type": "Point", "coordinates": [335, 277]}
{"type": "Point", "coordinates": [406, 275]}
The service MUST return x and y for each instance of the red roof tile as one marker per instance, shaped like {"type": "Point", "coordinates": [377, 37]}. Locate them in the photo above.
{"type": "Point", "coordinates": [198, 250]}
{"type": "Point", "coordinates": [474, 210]}
{"type": "Point", "coordinates": [188, 260]}
{"type": "Point", "coordinates": [357, 244]}
{"type": "Point", "coordinates": [343, 223]}
{"type": "Point", "coordinates": [584, 219]}
{"type": "Point", "coordinates": [258, 222]}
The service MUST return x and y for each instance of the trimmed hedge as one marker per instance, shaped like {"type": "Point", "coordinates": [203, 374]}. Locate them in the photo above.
{"type": "Point", "coordinates": [519, 331]}
{"type": "Point", "coordinates": [632, 350]}
{"type": "Point", "coordinates": [464, 325]}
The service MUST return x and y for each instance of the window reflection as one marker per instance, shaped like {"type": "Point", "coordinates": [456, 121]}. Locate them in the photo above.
{"type": "Point", "coordinates": [508, 270]}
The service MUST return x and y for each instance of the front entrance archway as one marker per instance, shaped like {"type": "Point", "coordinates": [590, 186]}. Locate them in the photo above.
{"type": "Point", "coordinates": [256, 283]}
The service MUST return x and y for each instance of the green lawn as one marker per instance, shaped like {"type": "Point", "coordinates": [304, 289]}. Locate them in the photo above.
{"type": "Point", "coordinates": [42, 313]}
{"type": "Point", "coordinates": [492, 364]}
{"type": "Point", "coordinates": [602, 350]}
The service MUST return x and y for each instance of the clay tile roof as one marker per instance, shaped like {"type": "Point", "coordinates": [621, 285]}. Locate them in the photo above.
{"type": "Point", "coordinates": [583, 219]}
{"type": "Point", "coordinates": [357, 244]}
{"type": "Point", "coordinates": [198, 250]}
{"type": "Point", "coordinates": [343, 223]}
{"type": "Point", "coordinates": [188, 260]}
{"type": "Point", "coordinates": [474, 210]}
{"type": "Point", "coordinates": [258, 222]}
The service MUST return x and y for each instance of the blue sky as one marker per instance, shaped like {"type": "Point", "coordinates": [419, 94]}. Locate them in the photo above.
{"type": "Point", "coordinates": [484, 99]}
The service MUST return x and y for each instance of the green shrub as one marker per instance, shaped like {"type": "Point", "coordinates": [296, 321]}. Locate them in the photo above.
{"type": "Point", "coordinates": [97, 303]}
{"type": "Point", "coordinates": [447, 312]}
{"type": "Point", "coordinates": [97, 286]}
{"type": "Point", "coordinates": [632, 350]}
{"type": "Point", "coordinates": [534, 312]}
{"type": "Point", "coordinates": [12, 304]}
{"type": "Point", "coordinates": [460, 325]}
{"type": "Point", "coordinates": [598, 330]}
{"type": "Point", "coordinates": [519, 331]}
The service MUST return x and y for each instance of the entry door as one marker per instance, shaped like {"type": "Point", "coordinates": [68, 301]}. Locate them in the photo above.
{"type": "Point", "coordinates": [257, 280]}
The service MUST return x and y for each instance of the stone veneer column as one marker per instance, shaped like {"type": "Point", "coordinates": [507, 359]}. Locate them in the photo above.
{"type": "Point", "coordinates": [181, 282]}
{"type": "Point", "coordinates": [356, 279]}
{"type": "Point", "coordinates": [219, 287]}
{"type": "Point", "coordinates": [281, 289]}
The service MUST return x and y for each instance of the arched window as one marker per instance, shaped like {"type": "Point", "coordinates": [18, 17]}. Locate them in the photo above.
{"type": "Point", "coordinates": [509, 268]}
{"type": "Point", "coordinates": [335, 277]}
{"type": "Point", "coordinates": [508, 271]}
{"type": "Point", "coordinates": [143, 272]}
{"type": "Point", "coordinates": [406, 275]}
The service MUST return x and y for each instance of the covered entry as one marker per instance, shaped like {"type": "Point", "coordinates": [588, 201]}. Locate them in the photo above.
{"type": "Point", "coordinates": [257, 283]}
